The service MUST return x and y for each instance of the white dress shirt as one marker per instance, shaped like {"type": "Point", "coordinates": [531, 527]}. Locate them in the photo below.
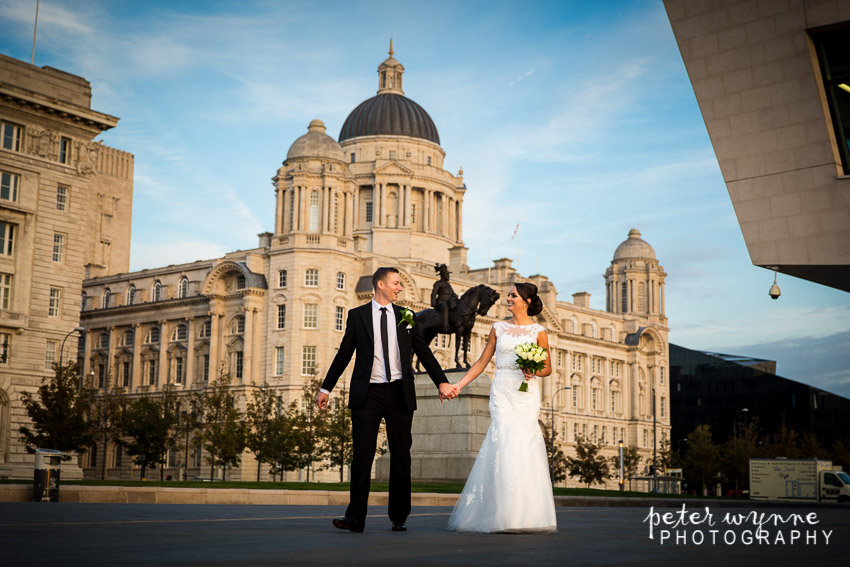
{"type": "Point", "coordinates": [378, 372]}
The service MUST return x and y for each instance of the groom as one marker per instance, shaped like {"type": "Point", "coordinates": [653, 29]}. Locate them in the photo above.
{"type": "Point", "coordinates": [382, 387]}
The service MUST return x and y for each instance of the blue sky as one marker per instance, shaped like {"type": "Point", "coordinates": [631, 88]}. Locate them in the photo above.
{"type": "Point", "coordinates": [574, 119]}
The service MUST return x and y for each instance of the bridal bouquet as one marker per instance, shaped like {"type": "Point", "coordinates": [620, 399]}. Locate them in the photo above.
{"type": "Point", "coordinates": [530, 357]}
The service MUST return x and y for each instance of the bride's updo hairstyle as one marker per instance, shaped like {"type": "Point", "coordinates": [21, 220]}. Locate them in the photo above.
{"type": "Point", "coordinates": [528, 291]}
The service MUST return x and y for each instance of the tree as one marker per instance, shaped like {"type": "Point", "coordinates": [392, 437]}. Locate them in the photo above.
{"type": "Point", "coordinates": [259, 415]}
{"type": "Point", "coordinates": [309, 423]}
{"type": "Point", "coordinates": [104, 415]}
{"type": "Point", "coordinates": [186, 421]}
{"type": "Point", "coordinates": [588, 465]}
{"type": "Point", "coordinates": [222, 430]}
{"type": "Point", "coordinates": [631, 463]}
{"type": "Point", "coordinates": [783, 443]}
{"type": "Point", "coordinates": [736, 453]}
{"type": "Point", "coordinates": [283, 439]}
{"type": "Point", "coordinates": [58, 412]}
{"type": "Point", "coordinates": [145, 426]}
{"type": "Point", "coordinates": [701, 462]}
{"type": "Point", "coordinates": [554, 455]}
{"type": "Point", "coordinates": [337, 445]}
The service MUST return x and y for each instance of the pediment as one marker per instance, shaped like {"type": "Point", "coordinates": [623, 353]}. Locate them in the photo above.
{"type": "Point", "coordinates": [393, 168]}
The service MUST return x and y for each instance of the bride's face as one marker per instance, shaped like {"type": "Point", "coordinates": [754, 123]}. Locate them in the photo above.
{"type": "Point", "coordinates": [516, 304]}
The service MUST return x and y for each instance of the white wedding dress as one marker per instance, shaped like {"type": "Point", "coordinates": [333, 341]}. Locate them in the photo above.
{"type": "Point", "coordinates": [509, 489]}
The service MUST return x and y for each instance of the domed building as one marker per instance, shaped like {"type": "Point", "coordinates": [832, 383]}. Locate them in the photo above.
{"type": "Point", "coordinates": [273, 316]}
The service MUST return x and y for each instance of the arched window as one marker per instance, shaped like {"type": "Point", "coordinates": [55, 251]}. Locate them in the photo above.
{"type": "Point", "coordinates": [183, 288]}
{"type": "Point", "coordinates": [574, 325]}
{"type": "Point", "coordinates": [103, 341]}
{"type": "Point", "coordinates": [129, 338]}
{"type": "Point", "coordinates": [153, 335]}
{"type": "Point", "coordinates": [131, 295]}
{"type": "Point", "coordinates": [107, 296]}
{"type": "Point", "coordinates": [340, 281]}
{"type": "Point", "coordinates": [238, 326]}
{"type": "Point", "coordinates": [180, 333]}
{"type": "Point", "coordinates": [83, 298]}
{"type": "Point", "coordinates": [156, 292]}
{"type": "Point", "coordinates": [594, 330]}
{"type": "Point", "coordinates": [314, 211]}
{"type": "Point", "coordinates": [206, 330]}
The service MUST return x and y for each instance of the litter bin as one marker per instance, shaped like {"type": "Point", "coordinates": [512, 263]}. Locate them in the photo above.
{"type": "Point", "coordinates": [45, 486]}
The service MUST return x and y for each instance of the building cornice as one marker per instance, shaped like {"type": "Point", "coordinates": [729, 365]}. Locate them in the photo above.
{"type": "Point", "coordinates": [56, 108]}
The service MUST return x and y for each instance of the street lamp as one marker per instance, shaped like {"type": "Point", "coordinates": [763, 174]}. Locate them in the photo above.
{"type": "Point", "coordinates": [62, 348]}
{"type": "Point", "coordinates": [552, 430]}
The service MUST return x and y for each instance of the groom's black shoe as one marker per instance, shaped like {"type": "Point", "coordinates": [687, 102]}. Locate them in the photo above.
{"type": "Point", "coordinates": [399, 527]}
{"type": "Point", "coordinates": [349, 524]}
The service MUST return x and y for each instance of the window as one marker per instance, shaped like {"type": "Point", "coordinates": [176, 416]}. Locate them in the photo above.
{"type": "Point", "coordinates": [594, 330]}
{"type": "Point", "coordinates": [574, 325]}
{"type": "Point", "coordinates": [308, 360]}
{"type": "Point", "coordinates": [7, 238]}
{"type": "Point", "coordinates": [624, 296]}
{"type": "Point", "coordinates": [103, 341]}
{"type": "Point", "coordinates": [336, 212]}
{"type": "Point", "coordinates": [576, 360]}
{"type": "Point", "coordinates": [641, 297]}
{"type": "Point", "coordinates": [413, 214]}
{"type": "Point", "coordinates": [153, 335]}
{"type": "Point", "coordinates": [152, 371]}
{"type": "Point", "coordinates": [12, 134]}
{"type": "Point", "coordinates": [101, 375]}
{"type": "Point", "coordinates": [178, 370]}
{"type": "Point", "coordinates": [239, 361]}
{"type": "Point", "coordinates": [50, 354]}
{"type": "Point", "coordinates": [615, 368]}
{"type": "Point", "coordinates": [594, 395]}
{"type": "Point", "coordinates": [429, 160]}
{"type": "Point", "coordinates": [180, 333]}
{"type": "Point", "coordinates": [278, 361]}
{"type": "Point", "coordinates": [107, 298]}
{"type": "Point", "coordinates": [53, 302]}
{"type": "Point", "coordinates": [83, 298]}
{"type": "Point", "coordinates": [58, 247]}
{"type": "Point", "coordinates": [281, 278]}
{"type": "Point", "coordinates": [281, 316]}
{"type": "Point", "coordinates": [119, 456]}
{"type": "Point", "coordinates": [206, 330]}
{"type": "Point", "coordinates": [314, 211]}
{"type": "Point", "coordinates": [240, 282]}
{"type": "Point", "coordinates": [5, 343]}
{"type": "Point", "coordinates": [614, 401]}
{"type": "Point", "coordinates": [661, 374]}
{"type": "Point", "coordinates": [9, 184]}
{"type": "Point", "coordinates": [206, 368]}
{"type": "Point", "coordinates": [129, 338]}
{"type": "Point", "coordinates": [5, 291]}
{"type": "Point", "coordinates": [340, 281]}
{"type": "Point", "coordinates": [64, 151]}
{"type": "Point", "coordinates": [61, 197]}
{"type": "Point", "coordinates": [156, 293]}
{"type": "Point", "coordinates": [310, 316]}
{"type": "Point", "coordinates": [291, 208]}
{"type": "Point", "coordinates": [353, 157]}
{"type": "Point", "coordinates": [93, 456]}
{"type": "Point", "coordinates": [340, 318]}
{"type": "Point", "coordinates": [238, 326]}
{"type": "Point", "coordinates": [663, 406]}
{"type": "Point", "coordinates": [612, 334]}
{"type": "Point", "coordinates": [368, 211]}
{"type": "Point", "coordinates": [392, 154]}
{"type": "Point", "coordinates": [833, 49]}
{"type": "Point", "coordinates": [311, 278]}
{"type": "Point", "coordinates": [183, 288]}
{"type": "Point", "coordinates": [131, 295]}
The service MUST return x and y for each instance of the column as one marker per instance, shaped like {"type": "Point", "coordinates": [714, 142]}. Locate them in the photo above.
{"type": "Point", "coordinates": [325, 205]}
{"type": "Point", "coordinates": [136, 376]}
{"type": "Point", "coordinates": [349, 223]}
{"type": "Point", "coordinates": [426, 205]}
{"type": "Point", "coordinates": [460, 221]}
{"type": "Point", "coordinates": [163, 369]}
{"type": "Point", "coordinates": [661, 293]}
{"type": "Point", "coordinates": [300, 210]}
{"type": "Point", "coordinates": [281, 209]}
{"type": "Point", "coordinates": [402, 205]}
{"type": "Point", "coordinates": [248, 345]}
{"type": "Point", "coordinates": [111, 367]}
{"type": "Point", "coordinates": [189, 367]}
{"type": "Point", "coordinates": [90, 335]}
{"type": "Point", "coordinates": [379, 206]}
{"type": "Point", "coordinates": [634, 410]}
{"type": "Point", "coordinates": [214, 331]}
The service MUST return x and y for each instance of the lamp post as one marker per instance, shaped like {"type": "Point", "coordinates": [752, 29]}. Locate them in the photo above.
{"type": "Point", "coordinates": [62, 348]}
{"type": "Point", "coordinates": [552, 430]}
{"type": "Point", "coordinates": [735, 440]}
{"type": "Point", "coordinates": [654, 446]}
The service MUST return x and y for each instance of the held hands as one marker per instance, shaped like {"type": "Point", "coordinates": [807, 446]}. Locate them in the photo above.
{"type": "Point", "coordinates": [528, 374]}
{"type": "Point", "coordinates": [448, 391]}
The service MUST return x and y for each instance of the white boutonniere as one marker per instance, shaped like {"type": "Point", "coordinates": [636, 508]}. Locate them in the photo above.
{"type": "Point", "coordinates": [406, 317]}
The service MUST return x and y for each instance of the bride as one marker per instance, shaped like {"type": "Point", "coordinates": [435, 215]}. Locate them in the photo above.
{"type": "Point", "coordinates": [509, 489]}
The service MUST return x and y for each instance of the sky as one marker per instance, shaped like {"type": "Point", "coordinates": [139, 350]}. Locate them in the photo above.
{"type": "Point", "coordinates": [575, 120]}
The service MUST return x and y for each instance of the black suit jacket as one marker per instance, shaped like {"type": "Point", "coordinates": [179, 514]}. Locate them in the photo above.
{"type": "Point", "coordinates": [359, 338]}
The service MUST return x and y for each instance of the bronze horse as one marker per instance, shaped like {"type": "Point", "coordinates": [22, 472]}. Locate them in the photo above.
{"type": "Point", "coordinates": [475, 301]}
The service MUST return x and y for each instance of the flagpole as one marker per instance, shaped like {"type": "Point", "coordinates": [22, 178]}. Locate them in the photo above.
{"type": "Point", "coordinates": [34, 29]}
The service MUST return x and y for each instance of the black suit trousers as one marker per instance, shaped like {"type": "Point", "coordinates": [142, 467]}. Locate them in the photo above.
{"type": "Point", "coordinates": [387, 402]}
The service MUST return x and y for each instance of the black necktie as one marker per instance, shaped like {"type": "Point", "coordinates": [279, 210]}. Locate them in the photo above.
{"type": "Point", "coordinates": [385, 343]}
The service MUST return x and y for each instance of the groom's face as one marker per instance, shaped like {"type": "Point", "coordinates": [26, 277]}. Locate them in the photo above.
{"type": "Point", "coordinates": [390, 287]}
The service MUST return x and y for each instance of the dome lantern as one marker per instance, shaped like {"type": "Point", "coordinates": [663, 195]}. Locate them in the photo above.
{"type": "Point", "coordinates": [389, 74]}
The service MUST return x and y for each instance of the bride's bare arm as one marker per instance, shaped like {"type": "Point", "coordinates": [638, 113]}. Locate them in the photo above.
{"type": "Point", "coordinates": [479, 366]}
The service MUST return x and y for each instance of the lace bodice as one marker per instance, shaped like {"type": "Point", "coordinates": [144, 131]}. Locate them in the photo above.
{"type": "Point", "coordinates": [508, 337]}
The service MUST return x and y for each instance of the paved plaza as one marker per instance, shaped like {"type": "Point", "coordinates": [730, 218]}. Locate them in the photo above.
{"type": "Point", "coordinates": [145, 534]}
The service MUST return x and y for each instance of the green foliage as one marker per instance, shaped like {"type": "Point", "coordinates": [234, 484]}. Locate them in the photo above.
{"type": "Point", "coordinates": [554, 455]}
{"type": "Point", "coordinates": [336, 444]}
{"type": "Point", "coordinates": [283, 439]}
{"type": "Point", "coordinates": [309, 422]}
{"type": "Point", "coordinates": [221, 430]}
{"type": "Point", "coordinates": [265, 419]}
{"type": "Point", "coordinates": [588, 465]}
{"type": "Point", "coordinates": [58, 411]}
{"type": "Point", "coordinates": [701, 463]}
{"type": "Point", "coordinates": [144, 426]}
{"type": "Point", "coordinates": [736, 453]}
{"type": "Point", "coordinates": [104, 416]}
{"type": "Point", "coordinates": [631, 464]}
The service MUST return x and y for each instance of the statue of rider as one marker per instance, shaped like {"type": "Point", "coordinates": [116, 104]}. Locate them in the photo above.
{"type": "Point", "coordinates": [443, 297]}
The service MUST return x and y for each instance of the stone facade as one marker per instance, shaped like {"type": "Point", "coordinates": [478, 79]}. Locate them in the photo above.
{"type": "Point", "coordinates": [65, 205]}
{"type": "Point", "coordinates": [274, 315]}
{"type": "Point", "coordinates": [756, 70]}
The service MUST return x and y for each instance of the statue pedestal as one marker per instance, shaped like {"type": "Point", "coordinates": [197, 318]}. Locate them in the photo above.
{"type": "Point", "coordinates": [447, 435]}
